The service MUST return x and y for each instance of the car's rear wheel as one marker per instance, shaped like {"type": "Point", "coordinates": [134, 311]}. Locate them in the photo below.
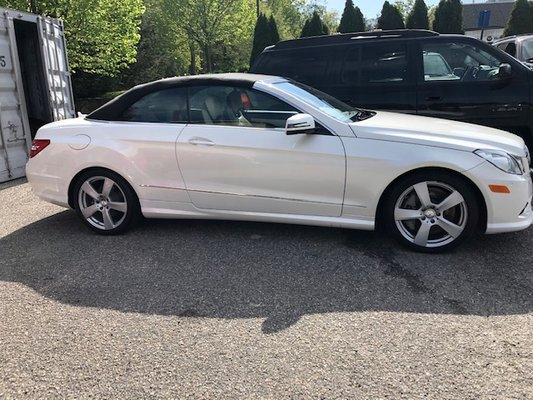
{"type": "Point", "coordinates": [105, 202]}
{"type": "Point", "coordinates": [431, 212]}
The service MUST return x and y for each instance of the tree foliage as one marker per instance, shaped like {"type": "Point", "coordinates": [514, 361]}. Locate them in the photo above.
{"type": "Point", "coordinates": [217, 24]}
{"type": "Point", "coordinates": [102, 35]}
{"type": "Point", "coordinates": [273, 30]}
{"type": "Point", "coordinates": [521, 19]}
{"type": "Point", "coordinates": [418, 17]}
{"type": "Point", "coordinates": [449, 17]}
{"type": "Point", "coordinates": [405, 7]}
{"type": "Point", "coordinates": [390, 17]}
{"type": "Point", "coordinates": [164, 49]}
{"type": "Point", "coordinates": [265, 34]}
{"type": "Point", "coordinates": [352, 19]}
{"type": "Point", "coordinates": [314, 26]}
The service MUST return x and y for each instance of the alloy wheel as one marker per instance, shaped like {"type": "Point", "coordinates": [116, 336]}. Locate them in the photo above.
{"type": "Point", "coordinates": [431, 214]}
{"type": "Point", "coordinates": [102, 202]}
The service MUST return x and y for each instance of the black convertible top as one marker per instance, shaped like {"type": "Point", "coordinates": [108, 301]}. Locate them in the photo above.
{"type": "Point", "coordinates": [112, 110]}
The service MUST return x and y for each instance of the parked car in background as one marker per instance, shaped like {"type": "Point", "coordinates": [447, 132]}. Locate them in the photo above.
{"type": "Point", "coordinates": [412, 71]}
{"type": "Point", "coordinates": [519, 46]}
{"type": "Point", "coordinates": [264, 148]}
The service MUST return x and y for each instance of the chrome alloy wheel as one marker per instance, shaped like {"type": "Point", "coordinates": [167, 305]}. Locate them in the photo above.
{"type": "Point", "coordinates": [102, 203]}
{"type": "Point", "coordinates": [431, 214]}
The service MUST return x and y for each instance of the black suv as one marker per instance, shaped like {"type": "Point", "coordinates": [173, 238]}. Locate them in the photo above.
{"type": "Point", "coordinates": [412, 71]}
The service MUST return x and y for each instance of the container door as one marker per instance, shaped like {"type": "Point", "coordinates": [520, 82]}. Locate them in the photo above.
{"type": "Point", "coordinates": [15, 135]}
{"type": "Point", "coordinates": [52, 38]}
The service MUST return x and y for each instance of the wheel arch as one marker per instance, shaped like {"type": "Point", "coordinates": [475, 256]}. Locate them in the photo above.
{"type": "Point", "coordinates": [482, 223]}
{"type": "Point", "coordinates": [74, 180]}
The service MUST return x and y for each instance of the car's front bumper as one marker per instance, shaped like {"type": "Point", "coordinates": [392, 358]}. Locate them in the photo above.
{"type": "Point", "coordinates": [506, 212]}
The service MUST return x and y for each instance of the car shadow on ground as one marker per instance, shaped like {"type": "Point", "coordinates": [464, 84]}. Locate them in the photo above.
{"type": "Point", "coordinates": [278, 272]}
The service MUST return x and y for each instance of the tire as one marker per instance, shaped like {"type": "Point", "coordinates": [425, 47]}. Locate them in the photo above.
{"type": "Point", "coordinates": [105, 202]}
{"type": "Point", "coordinates": [431, 212]}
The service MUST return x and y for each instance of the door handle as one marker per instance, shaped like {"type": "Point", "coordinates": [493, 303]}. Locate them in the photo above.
{"type": "Point", "coordinates": [198, 141]}
{"type": "Point", "coordinates": [433, 98]}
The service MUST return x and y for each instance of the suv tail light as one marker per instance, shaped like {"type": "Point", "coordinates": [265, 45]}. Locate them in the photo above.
{"type": "Point", "coordinates": [37, 146]}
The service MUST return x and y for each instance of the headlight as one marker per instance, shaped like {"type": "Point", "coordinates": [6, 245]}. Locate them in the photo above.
{"type": "Point", "coordinates": [502, 160]}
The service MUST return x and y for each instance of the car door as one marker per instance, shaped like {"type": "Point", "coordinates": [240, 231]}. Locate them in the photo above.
{"type": "Point", "coordinates": [236, 156]}
{"type": "Point", "coordinates": [474, 91]}
{"type": "Point", "coordinates": [147, 131]}
{"type": "Point", "coordinates": [377, 76]}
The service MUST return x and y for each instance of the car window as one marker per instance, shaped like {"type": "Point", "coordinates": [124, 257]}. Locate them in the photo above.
{"type": "Point", "coordinates": [375, 64]}
{"type": "Point", "coordinates": [465, 61]}
{"type": "Point", "coordinates": [234, 106]}
{"type": "Point", "coordinates": [436, 68]}
{"type": "Point", "coordinates": [324, 102]}
{"type": "Point", "coordinates": [510, 48]}
{"type": "Point", "coordinates": [502, 46]}
{"type": "Point", "coordinates": [527, 50]}
{"type": "Point", "coordinates": [163, 106]}
{"type": "Point", "coordinates": [306, 66]}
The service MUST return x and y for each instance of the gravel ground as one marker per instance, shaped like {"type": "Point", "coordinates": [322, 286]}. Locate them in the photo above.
{"type": "Point", "coordinates": [203, 309]}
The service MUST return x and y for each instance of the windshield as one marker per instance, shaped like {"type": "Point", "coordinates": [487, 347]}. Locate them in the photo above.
{"type": "Point", "coordinates": [324, 102]}
{"type": "Point", "coordinates": [528, 50]}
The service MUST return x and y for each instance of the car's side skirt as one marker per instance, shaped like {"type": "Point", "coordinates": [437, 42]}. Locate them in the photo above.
{"type": "Point", "coordinates": [161, 209]}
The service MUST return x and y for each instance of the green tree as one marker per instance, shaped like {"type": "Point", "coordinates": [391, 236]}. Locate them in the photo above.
{"type": "Point", "coordinates": [164, 49]}
{"type": "Point", "coordinates": [218, 25]}
{"type": "Point", "coordinates": [449, 17]}
{"type": "Point", "coordinates": [405, 7]}
{"type": "Point", "coordinates": [273, 30]}
{"type": "Point", "coordinates": [352, 19]}
{"type": "Point", "coordinates": [314, 26]}
{"type": "Point", "coordinates": [521, 19]}
{"type": "Point", "coordinates": [418, 17]}
{"type": "Point", "coordinates": [261, 37]}
{"type": "Point", "coordinates": [390, 17]}
{"type": "Point", "coordinates": [290, 15]}
{"type": "Point", "coordinates": [102, 35]}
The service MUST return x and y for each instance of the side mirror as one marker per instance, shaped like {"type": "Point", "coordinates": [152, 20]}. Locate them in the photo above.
{"type": "Point", "coordinates": [300, 124]}
{"type": "Point", "coordinates": [504, 71]}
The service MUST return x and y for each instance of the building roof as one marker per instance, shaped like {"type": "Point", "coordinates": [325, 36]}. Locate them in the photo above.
{"type": "Point", "coordinates": [499, 14]}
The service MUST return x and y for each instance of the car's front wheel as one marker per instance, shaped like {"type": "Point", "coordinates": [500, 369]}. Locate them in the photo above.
{"type": "Point", "coordinates": [431, 212]}
{"type": "Point", "coordinates": [105, 202]}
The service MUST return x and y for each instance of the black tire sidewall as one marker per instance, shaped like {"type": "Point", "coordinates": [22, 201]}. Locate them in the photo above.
{"type": "Point", "coordinates": [457, 183]}
{"type": "Point", "coordinates": [133, 212]}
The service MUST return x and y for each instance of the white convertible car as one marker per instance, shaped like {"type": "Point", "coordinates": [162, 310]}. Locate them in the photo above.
{"type": "Point", "coordinates": [264, 148]}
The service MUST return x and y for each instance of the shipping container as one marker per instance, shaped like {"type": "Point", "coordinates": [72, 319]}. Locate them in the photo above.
{"type": "Point", "coordinates": [35, 84]}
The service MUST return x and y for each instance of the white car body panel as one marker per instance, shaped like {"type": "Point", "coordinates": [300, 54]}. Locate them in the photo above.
{"type": "Point", "coordinates": [265, 175]}
{"type": "Point", "coordinates": [262, 170]}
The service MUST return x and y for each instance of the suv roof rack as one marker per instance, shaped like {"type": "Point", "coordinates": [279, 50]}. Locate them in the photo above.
{"type": "Point", "coordinates": [346, 37]}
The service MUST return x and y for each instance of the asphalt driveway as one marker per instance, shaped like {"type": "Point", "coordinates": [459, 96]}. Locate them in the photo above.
{"type": "Point", "coordinates": [211, 309]}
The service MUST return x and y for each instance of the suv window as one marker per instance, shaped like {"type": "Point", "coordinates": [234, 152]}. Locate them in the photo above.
{"type": "Point", "coordinates": [436, 68]}
{"type": "Point", "coordinates": [163, 106]}
{"type": "Point", "coordinates": [304, 66]}
{"type": "Point", "coordinates": [234, 106]}
{"type": "Point", "coordinates": [370, 64]}
{"type": "Point", "coordinates": [467, 62]}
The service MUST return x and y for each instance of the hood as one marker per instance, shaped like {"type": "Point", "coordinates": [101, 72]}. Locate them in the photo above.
{"type": "Point", "coordinates": [436, 132]}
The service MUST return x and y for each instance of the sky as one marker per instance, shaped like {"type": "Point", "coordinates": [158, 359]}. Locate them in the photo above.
{"type": "Point", "coordinates": [370, 8]}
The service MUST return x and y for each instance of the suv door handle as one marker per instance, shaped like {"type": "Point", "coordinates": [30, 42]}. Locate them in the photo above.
{"type": "Point", "coordinates": [198, 141]}
{"type": "Point", "coordinates": [433, 98]}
